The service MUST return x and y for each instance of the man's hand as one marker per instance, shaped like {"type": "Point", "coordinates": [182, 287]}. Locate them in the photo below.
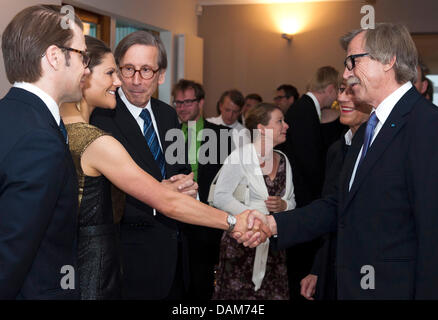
{"type": "Point", "coordinates": [257, 229]}
{"type": "Point", "coordinates": [183, 183]}
{"type": "Point", "coordinates": [308, 286]}
{"type": "Point", "coordinates": [275, 204]}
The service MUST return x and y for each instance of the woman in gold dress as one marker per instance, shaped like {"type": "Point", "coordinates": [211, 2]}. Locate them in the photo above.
{"type": "Point", "coordinates": [101, 160]}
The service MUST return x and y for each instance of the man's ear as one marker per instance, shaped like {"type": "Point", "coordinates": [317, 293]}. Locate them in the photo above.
{"type": "Point", "coordinates": [162, 77]}
{"type": "Point", "coordinates": [201, 107]}
{"type": "Point", "coordinates": [53, 57]}
{"type": "Point", "coordinates": [424, 85]}
{"type": "Point", "coordinates": [261, 128]}
{"type": "Point", "coordinates": [390, 64]}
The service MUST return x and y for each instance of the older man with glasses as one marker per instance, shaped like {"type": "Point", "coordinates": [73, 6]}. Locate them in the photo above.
{"type": "Point", "coordinates": [154, 248]}
{"type": "Point", "coordinates": [385, 210]}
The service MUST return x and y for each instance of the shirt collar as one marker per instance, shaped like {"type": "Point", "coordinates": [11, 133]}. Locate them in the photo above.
{"type": "Point", "coordinates": [317, 105]}
{"type": "Point", "coordinates": [385, 107]}
{"type": "Point", "coordinates": [47, 99]}
{"type": "Point", "coordinates": [135, 111]}
{"type": "Point", "coordinates": [348, 137]}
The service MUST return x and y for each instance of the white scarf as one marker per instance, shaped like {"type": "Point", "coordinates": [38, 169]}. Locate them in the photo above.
{"type": "Point", "coordinates": [256, 183]}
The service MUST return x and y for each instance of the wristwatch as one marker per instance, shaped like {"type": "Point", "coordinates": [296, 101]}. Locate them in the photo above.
{"type": "Point", "coordinates": [231, 220]}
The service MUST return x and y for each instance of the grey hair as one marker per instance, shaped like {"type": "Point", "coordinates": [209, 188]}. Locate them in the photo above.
{"type": "Point", "coordinates": [385, 41]}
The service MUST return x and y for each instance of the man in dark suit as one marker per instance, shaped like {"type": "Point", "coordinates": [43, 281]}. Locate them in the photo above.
{"type": "Point", "coordinates": [385, 211]}
{"type": "Point", "coordinates": [38, 184]}
{"type": "Point", "coordinates": [305, 148]}
{"type": "Point", "coordinates": [206, 153]}
{"type": "Point", "coordinates": [154, 248]}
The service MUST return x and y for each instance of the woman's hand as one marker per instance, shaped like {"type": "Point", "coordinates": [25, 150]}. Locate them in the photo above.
{"type": "Point", "coordinates": [275, 204]}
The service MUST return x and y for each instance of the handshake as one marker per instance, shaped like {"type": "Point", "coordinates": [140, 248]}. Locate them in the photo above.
{"type": "Point", "coordinates": [253, 228]}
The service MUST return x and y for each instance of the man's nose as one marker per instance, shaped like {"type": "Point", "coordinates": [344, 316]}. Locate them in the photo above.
{"type": "Point", "coordinates": [347, 73]}
{"type": "Point", "coordinates": [137, 78]}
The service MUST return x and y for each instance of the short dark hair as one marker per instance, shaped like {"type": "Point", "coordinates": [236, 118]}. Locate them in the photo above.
{"type": "Point", "coordinates": [96, 49]}
{"type": "Point", "coordinates": [289, 91]}
{"type": "Point", "coordinates": [27, 37]}
{"type": "Point", "coordinates": [143, 38]}
{"type": "Point", "coordinates": [183, 85]}
{"type": "Point", "coordinates": [254, 96]}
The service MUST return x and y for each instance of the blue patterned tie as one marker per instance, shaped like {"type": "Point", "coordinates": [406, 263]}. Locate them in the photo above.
{"type": "Point", "coordinates": [371, 125]}
{"type": "Point", "coordinates": [63, 130]}
{"type": "Point", "coordinates": [152, 140]}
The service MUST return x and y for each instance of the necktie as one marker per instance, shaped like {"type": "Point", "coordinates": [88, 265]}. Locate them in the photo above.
{"type": "Point", "coordinates": [152, 141]}
{"type": "Point", "coordinates": [371, 125]}
{"type": "Point", "coordinates": [63, 130]}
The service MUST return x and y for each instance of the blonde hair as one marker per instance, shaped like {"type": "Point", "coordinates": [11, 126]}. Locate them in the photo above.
{"type": "Point", "coordinates": [323, 77]}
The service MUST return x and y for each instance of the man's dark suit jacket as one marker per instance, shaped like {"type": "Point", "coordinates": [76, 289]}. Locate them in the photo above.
{"type": "Point", "coordinates": [305, 150]}
{"type": "Point", "coordinates": [38, 201]}
{"type": "Point", "coordinates": [388, 220]}
{"type": "Point", "coordinates": [204, 242]}
{"type": "Point", "coordinates": [149, 243]}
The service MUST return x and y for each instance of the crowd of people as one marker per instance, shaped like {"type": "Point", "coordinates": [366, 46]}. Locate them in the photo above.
{"type": "Point", "coordinates": [283, 200]}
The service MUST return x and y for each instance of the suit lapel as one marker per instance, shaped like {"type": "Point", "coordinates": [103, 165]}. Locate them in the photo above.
{"type": "Point", "coordinates": [36, 103]}
{"type": "Point", "coordinates": [129, 128]}
{"type": "Point", "coordinates": [393, 124]}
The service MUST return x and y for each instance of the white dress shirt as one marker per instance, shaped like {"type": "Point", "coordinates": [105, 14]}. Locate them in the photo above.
{"type": "Point", "coordinates": [316, 102]}
{"type": "Point", "coordinates": [218, 120]}
{"type": "Point", "coordinates": [47, 99]}
{"type": "Point", "coordinates": [348, 137]}
{"type": "Point", "coordinates": [135, 111]}
{"type": "Point", "coordinates": [382, 112]}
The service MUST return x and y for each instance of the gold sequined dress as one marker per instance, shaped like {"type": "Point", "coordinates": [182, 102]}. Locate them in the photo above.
{"type": "Point", "coordinates": [98, 248]}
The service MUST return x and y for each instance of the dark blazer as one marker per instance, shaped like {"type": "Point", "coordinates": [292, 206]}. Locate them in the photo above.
{"type": "Point", "coordinates": [149, 243]}
{"type": "Point", "coordinates": [305, 150]}
{"type": "Point", "coordinates": [204, 242]}
{"type": "Point", "coordinates": [38, 201]}
{"type": "Point", "coordinates": [388, 220]}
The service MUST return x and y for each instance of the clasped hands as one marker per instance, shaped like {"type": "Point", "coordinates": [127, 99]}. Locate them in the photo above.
{"type": "Point", "coordinates": [253, 228]}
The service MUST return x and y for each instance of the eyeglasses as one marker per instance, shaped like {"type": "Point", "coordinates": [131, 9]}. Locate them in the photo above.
{"type": "Point", "coordinates": [186, 103]}
{"type": "Point", "coordinates": [85, 57]}
{"type": "Point", "coordinates": [280, 97]}
{"type": "Point", "coordinates": [146, 72]}
{"type": "Point", "coordinates": [350, 62]}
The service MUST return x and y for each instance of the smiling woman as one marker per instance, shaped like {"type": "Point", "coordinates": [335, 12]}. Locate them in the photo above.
{"type": "Point", "coordinates": [101, 160]}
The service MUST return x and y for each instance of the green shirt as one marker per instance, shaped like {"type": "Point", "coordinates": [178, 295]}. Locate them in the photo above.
{"type": "Point", "coordinates": [193, 147]}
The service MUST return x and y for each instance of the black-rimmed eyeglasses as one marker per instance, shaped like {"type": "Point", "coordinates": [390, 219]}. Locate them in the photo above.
{"type": "Point", "coordinates": [186, 103]}
{"type": "Point", "coordinates": [84, 54]}
{"type": "Point", "coordinates": [128, 71]}
{"type": "Point", "coordinates": [350, 61]}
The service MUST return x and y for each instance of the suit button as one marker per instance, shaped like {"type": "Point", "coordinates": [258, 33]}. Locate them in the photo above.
{"type": "Point", "coordinates": [342, 225]}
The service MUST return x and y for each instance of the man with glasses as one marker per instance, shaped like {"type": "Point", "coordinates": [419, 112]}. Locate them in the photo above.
{"type": "Point", "coordinates": [188, 100]}
{"type": "Point", "coordinates": [286, 96]}
{"type": "Point", "coordinates": [154, 248]}
{"type": "Point", "coordinates": [385, 210]}
{"type": "Point", "coordinates": [38, 184]}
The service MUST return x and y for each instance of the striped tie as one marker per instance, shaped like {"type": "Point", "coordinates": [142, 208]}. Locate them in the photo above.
{"type": "Point", "coordinates": [152, 141]}
{"type": "Point", "coordinates": [63, 130]}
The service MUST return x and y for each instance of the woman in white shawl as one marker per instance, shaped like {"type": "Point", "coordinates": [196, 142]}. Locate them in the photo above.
{"type": "Point", "coordinates": [255, 176]}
